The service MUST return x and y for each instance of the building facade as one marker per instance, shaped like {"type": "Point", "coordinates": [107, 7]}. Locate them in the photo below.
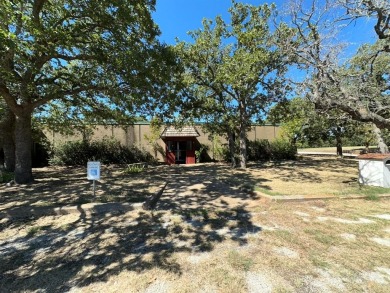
{"type": "Point", "coordinates": [173, 146]}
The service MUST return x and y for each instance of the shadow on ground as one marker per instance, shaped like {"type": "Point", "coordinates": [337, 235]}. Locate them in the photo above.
{"type": "Point", "coordinates": [306, 169]}
{"type": "Point", "coordinates": [198, 210]}
{"type": "Point", "coordinates": [62, 186]}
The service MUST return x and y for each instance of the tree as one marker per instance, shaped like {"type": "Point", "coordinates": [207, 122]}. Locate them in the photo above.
{"type": "Point", "coordinates": [301, 123]}
{"type": "Point", "coordinates": [154, 136]}
{"type": "Point", "coordinates": [378, 9]}
{"type": "Point", "coordinates": [234, 71]}
{"type": "Point", "coordinates": [7, 120]}
{"type": "Point", "coordinates": [360, 90]}
{"type": "Point", "coordinates": [92, 54]}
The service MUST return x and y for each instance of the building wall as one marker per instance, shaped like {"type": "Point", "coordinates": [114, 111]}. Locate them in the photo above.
{"type": "Point", "coordinates": [134, 135]}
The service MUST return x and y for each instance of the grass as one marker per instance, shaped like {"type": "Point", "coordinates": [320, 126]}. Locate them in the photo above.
{"type": "Point", "coordinates": [34, 230]}
{"type": "Point", "coordinates": [322, 237]}
{"type": "Point", "coordinates": [333, 149]}
{"type": "Point", "coordinates": [134, 169]}
{"type": "Point", "coordinates": [266, 191]}
{"type": "Point", "coordinates": [239, 261]}
{"type": "Point", "coordinates": [206, 238]}
{"type": "Point", "coordinates": [372, 197]}
{"type": "Point", "coordinates": [136, 249]}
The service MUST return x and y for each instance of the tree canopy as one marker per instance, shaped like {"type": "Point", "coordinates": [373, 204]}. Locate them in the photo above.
{"type": "Point", "coordinates": [99, 56]}
{"type": "Point", "coordinates": [234, 71]}
{"type": "Point", "coordinates": [358, 87]}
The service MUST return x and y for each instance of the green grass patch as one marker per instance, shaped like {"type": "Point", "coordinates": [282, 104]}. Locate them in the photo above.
{"type": "Point", "coordinates": [370, 192]}
{"type": "Point", "coordinates": [239, 261]}
{"type": "Point", "coordinates": [134, 169]}
{"type": "Point", "coordinates": [318, 262]}
{"type": "Point", "coordinates": [373, 197]}
{"type": "Point", "coordinates": [34, 230]}
{"type": "Point", "coordinates": [283, 234]}
{"type": "Point", "coordinates": [321, 237]}
{"type": "Point", "coordinates": [266, 191]}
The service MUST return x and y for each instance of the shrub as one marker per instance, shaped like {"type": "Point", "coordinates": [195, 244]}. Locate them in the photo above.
{"type": "Point", "coordinates": [282, 150]}
{"type": "Point", "coordinates": [264, 150]}
{"type": "Point", "coordinates": [107, 151]}
{"type": "Point", "coordinates": [259, 150]}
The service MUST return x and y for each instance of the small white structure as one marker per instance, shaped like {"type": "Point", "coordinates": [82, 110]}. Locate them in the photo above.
{"type": "Point", "coordinates": [374, 169]}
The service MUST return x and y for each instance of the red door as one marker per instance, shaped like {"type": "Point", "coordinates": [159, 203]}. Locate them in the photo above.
{"type": "Point", "coordinates": [190, 157]}
{"type": "Point", "coordinates": [170, 152]}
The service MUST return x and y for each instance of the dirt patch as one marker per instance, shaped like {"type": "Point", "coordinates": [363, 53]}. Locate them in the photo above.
{"type": "Point", "coordinates": [258, 282]}
{"type": "Point", "coordinates": [382, 241]}
{"type": "Point", "coordinates": [348, 236]}
{"type": "Point", "coordinates": [284, 251]}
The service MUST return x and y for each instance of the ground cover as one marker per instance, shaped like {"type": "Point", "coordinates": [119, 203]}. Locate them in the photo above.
{"type": "Point", "coordinates": [209, 233]}
{"type": "Point", "coordinates": [184, 246]}
{"type": "Point", "coordinates": [333, 150]}
{"type": "Point", "coordinates": [312, 177]}
{"type": "Point", "coordinates": [62, 186]}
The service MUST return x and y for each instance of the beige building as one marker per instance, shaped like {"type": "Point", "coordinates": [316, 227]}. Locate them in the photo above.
{"type": "Point", "coordinates": [141, 135]}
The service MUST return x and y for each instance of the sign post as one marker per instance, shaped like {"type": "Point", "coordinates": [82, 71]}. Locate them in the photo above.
{"type": "Point", "coordinates": [93, 173]}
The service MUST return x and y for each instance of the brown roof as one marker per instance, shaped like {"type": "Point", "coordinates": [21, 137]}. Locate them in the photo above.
{"type": "Point", "coordinates": [185, 131]}
{"type": "Point", "coordinates": [374, 157]}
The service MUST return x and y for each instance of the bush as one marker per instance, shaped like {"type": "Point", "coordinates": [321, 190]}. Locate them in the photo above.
{"type": "Point", "coordinates": [282, 150]}
{"type": "Point", "coordinates": [259, 150]}
{"type": "Point", "coordinates": [107, 151]}
{"type": "Point", "coordinates": [263, 150]}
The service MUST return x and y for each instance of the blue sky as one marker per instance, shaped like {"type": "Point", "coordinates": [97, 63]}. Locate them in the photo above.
{"type": "Point", "coordinates": [176, 17]}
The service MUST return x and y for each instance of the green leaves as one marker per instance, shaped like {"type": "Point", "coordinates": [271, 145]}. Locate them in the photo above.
{"type": "Point", "coordinates": [233, 71]}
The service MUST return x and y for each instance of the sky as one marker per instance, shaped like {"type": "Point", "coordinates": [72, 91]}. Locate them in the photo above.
{"type": "Point", "coordinates": [176, 17]}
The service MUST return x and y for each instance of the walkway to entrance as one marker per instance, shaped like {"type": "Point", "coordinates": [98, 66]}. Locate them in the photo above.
{"type": "Point", "coordinates": [204, 185]}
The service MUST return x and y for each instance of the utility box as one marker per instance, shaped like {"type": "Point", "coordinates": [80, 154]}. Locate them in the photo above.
{"type": "Point", "coordinates": [374, 169]}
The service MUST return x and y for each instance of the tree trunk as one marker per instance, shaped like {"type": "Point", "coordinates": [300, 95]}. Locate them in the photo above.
{"type": "Point", "coordinates": [383, 148]}
{"type": "Point", "coordinates": [232, 147]}
{"type": "Point", "coordinates": [7, 136]}
{"type": "Point", "coordinates": [23, 142]}
{"type": "Point", "coordinates": [243, 157]}
{"type": "Point", "coordinates": [9, 151]}
{"type": "Point", "coordinates": [339, 142]}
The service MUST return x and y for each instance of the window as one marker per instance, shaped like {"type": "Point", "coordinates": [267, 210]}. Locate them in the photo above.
{"type": "Point", "coordinates": [171, 146]}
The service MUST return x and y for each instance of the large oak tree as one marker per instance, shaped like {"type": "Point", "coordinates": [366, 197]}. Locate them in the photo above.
{"type": "Point", "coordinates": [360, 86]}
{"type": "Point", "coordinates": [234, 71]}
{"type": "Point", "coordinates": [79, 53]}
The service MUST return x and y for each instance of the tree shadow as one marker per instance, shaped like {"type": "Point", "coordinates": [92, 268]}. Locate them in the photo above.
{"type": "Point", "coordinates": [197, 211]}
{"type": "Point", "coordinates": [306, 170]}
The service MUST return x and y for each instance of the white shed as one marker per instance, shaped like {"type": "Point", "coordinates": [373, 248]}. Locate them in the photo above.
{"type": "Point", "coordinates": [374, 169]}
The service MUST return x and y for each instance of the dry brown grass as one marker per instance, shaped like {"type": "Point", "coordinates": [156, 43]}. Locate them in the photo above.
{"type": "Point", "coordinates": [308, 176]}
{"type": "Point", "coordinates": [206, 235]}
{"type": "Point", "coordinates": [286, 247]}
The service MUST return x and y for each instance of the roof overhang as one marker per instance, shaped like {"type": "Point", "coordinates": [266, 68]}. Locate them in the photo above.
{"type": "Point", "coordinates": [185, 131]}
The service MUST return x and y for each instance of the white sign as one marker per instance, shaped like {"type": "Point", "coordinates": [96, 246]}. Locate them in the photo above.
{"type": "Point", "coordinates": [93, 170]}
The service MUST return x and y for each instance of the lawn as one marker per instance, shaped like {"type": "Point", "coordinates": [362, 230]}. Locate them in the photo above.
{"type": "Point", "coordinates": [312, 177]}
{"type": "Point", "coordinates": [207, 234]}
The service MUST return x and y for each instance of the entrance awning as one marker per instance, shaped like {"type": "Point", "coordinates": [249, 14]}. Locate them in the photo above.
{"type": "Point", "coordinates": [185, 131]}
